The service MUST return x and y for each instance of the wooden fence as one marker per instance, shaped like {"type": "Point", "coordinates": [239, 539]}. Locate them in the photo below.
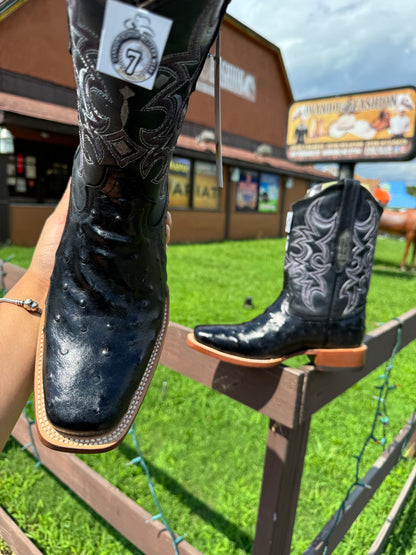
{"type": "Point", "coordinates": [288, 397]}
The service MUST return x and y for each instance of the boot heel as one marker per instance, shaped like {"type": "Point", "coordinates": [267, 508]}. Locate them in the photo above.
{"type": "Point", "coordinates": [335, 360]}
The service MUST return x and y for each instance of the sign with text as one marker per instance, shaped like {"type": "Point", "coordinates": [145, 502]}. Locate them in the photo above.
{"type": "Point", "coordinates": [371, 126]}
{"type": "Point", "coordinates": [179, 183]}
{"type": "Point", "coordinates": [268, 192]}
{"type": "Point", "coordinates": [206, 192]}
{"type": "Point", "coordinates": [247, 191]}
{"type": "Point", "coordinates": [233, 79]}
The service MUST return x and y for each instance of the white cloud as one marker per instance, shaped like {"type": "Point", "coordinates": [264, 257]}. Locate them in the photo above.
{"type": "Point", "coordinates": [340, 42]}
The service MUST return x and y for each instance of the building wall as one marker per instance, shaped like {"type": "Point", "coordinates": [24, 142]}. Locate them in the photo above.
{"type": "Point", "coordinates": [26, 222]}
{"type": "Point", "coordinates": [34, 41]}
{"type": "Point", "coordinates": [263, 120]}
{"type": "Point", "coordinates": [208, 226]}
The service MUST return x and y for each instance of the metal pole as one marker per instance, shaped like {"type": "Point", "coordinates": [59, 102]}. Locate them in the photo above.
{"type": "Point", "coordinates": [346, 170]}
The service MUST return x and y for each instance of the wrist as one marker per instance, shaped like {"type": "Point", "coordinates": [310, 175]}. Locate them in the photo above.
{"type": "Point", "coordinates": [30, 286]}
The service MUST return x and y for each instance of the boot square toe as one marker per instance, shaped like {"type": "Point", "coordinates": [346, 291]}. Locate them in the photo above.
{"type": "Point", "coordinates": [91, 413]}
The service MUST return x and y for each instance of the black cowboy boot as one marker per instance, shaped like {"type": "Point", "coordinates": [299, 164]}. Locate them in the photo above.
{"type": "Point", "coordinates": [107, 309]}
{"type": "Point", "coordinates": [321, 310]}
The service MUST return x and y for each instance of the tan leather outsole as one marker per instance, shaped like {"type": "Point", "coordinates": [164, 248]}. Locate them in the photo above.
{"type": "Point", "coordinates": [64, 441]}
{"type": "Point", "coordinates": [326, 360]}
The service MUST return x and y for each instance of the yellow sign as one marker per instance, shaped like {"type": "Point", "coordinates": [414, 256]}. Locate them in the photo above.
{"type": "Point", "coordinates": [179, 191]}
{"type": "Point", "coordinates": [7, 7]}
{"type": "Point", "coordinates": [179, 183]}
{"type": "Point", "coordinates": [206, 192]}
{"type": "Point", "coordinates": [378, 125]}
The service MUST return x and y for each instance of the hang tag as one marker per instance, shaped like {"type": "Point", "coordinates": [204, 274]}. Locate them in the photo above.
{"type": "Point", "coordinates": [289, 219]}
{"type": "Point", "coordinates": [132, 43]}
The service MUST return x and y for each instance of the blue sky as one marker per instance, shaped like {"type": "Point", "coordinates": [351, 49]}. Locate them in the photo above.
{"type": "Point", "coordinates": [332, 47]}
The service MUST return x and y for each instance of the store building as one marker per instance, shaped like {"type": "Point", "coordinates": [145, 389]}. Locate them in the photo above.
{"type": "Point", "coordinates": [38, 106]}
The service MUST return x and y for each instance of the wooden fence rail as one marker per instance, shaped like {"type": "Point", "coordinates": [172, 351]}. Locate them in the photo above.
{"type": "Point", "coordinates": [288, 397]}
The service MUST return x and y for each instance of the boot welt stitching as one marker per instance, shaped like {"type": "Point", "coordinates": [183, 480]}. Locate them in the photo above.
{"type": "Point", "coordinates": [119, 431]}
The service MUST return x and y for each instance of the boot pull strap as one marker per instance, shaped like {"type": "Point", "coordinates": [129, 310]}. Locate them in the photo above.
{"type": "Point", "coordinates": [347, 213]}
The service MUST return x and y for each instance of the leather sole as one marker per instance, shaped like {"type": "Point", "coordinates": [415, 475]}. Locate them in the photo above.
{"type": "Point", "coordinates": [66, 441]}
{"type": "Point", "coordinates": [326, 360]}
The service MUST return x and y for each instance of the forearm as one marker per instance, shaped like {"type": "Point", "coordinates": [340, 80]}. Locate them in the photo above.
{"type": "Point", "coordinates": [18, 338]}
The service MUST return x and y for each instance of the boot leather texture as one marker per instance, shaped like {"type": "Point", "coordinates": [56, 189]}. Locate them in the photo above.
{"type": "Point", "coordinates": [107, 304]}
{"type": "Point", "coordinates": [327, 270]}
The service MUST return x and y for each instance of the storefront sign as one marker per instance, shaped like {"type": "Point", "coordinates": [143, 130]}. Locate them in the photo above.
{"type": "Point", "coordinates": [247, 191]}
{"type": "Point", "coordinates": [268, 192]}
{"type": "Point", "coordinates": [232, 78]}
{"type": "Point", "coordinates": [378, 125]}
{"type": "Point", "coordinates": [179, 183]}
{"type": "Point", "coordinates": [206, 191]}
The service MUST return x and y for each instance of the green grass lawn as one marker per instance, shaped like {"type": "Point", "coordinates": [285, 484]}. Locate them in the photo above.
{"type": "Point", "coordinates": [205, 452]}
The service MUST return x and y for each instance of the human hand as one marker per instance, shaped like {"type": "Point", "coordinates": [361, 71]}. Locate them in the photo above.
{"type": "Point", "coordinates": [44, 255]}
{"type": "Point", "coordinates": [43, 258]}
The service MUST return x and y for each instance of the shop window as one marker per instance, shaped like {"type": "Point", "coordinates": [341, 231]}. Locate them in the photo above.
{"type": "Point", "coordinates": [56, 179]}
{"type": "Point", "coordinates": [180, 183]}
{"type": "Point", "coordinates": [206, 194]}
{"type": "Point", "coordinates": [247, 189]}
{"type": "Point", "coordinates": [11, 171]}
{"type": "Point", "coordinates": [268, 192]}
{"type": "Point", "coordinates": [38, 172]}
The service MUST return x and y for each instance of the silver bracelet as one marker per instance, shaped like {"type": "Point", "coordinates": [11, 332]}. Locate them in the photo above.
{"type": "Point", "coordinates": [28, 304]}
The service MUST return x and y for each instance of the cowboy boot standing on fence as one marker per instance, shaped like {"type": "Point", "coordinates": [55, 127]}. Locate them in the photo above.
{"type": "Point", "coordinates": [321, 309]}
{"type": "Point", "coordinates": [107, 309]}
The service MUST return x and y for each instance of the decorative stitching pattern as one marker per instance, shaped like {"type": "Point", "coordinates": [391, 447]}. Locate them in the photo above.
{"type": "Point", "coordinates": [101, 136]}
{"type": "Point", "coordinates": [308, 258]}
{"type": "Point", "coordinates": [358, 271]}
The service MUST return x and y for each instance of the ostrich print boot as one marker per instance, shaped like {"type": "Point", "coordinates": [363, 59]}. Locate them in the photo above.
{"type": "Point", "coordinates": [107, 310]}
{"type": "Point", "coordinates": [321, 309]}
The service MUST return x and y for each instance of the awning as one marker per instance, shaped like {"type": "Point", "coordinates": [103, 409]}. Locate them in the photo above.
{"type": "Point", "coordinates": [230, 153]}
{"type": "Point", "coordinates": [38, 109]}
{"type": "Point", "coordinates": [69, 116]}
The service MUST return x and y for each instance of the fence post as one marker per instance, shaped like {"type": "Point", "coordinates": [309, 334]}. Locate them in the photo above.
{"type": "Point", "coordinates": [283, 468]}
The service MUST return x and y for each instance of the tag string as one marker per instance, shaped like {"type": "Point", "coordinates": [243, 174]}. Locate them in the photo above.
{"type": "Point", "coordinates": [218, 134]}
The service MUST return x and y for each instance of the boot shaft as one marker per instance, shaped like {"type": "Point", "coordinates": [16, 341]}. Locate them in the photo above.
{"type": "Point", "coordinates": [330, 251]}
{"type": "Point", "coordinates": [127, 127]}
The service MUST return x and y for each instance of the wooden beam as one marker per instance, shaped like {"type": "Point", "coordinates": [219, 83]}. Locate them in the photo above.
{"type": "Point", "coordinates": [14, 537]}
{"type": "Point", "coordinates": [322, 387]}
{"type": "Point", "coordinates": [275, 392]}
{"type": "Point", "coordinates": [283, 469]}
{"type": "Point", "coordinates": [133, 522]}
{"type": "Point", "coordinates": [338, 525]}
{"type": "Point", "coordinates": [381, 539]}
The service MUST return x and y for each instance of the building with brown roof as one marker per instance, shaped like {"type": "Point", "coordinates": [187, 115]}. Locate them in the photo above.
{"type": "Point", "coordinates": [38, 106]}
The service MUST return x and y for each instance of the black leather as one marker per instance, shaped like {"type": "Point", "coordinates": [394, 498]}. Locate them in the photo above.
{"type": "Point", "coordinates": [328, 264]}
{"type": "Point", "coordinates": [108, 288]}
